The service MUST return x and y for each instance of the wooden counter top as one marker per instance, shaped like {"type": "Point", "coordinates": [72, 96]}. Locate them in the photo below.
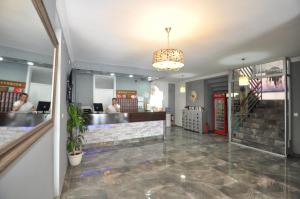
{"type": "Point", "coordinates": [114, 118]}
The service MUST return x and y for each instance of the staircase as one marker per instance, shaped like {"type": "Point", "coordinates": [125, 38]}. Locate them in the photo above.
{"type": "Point", "coordinates": [257, 123]}
{"type": "Point", "coordinates": [263, 128]}
{"type": "Point", "coordinates": [243, 108]}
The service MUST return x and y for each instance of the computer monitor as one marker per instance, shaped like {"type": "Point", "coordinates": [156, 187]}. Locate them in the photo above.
{"type": "Point", "coordinates": [98, 107]}
{"type": "Point", "coordinates": [43, 106]}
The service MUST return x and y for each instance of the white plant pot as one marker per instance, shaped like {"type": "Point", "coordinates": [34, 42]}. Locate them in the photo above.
{"type": "Point", "coordinates": [75, 159]}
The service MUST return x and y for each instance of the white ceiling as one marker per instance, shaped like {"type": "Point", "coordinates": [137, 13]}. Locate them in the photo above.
{"type": "Point", "coordinates": [22, 29]}
{"type": "Point", "coordinates": [214, 35]}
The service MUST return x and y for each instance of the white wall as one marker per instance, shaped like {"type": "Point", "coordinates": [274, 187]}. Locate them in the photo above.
{"type": "Point", "coordinates": [180, 102]}
{"type": "Point", "coordinates": [39, 92]}
{"type": "Point", "coordinates": [31, 175]}
{"type": "Point", "coordinates": [103, 96]}
{"type": "Point", "coordinates": [39, 172]}
{"type": "Point", "coordinates": [103, 89]}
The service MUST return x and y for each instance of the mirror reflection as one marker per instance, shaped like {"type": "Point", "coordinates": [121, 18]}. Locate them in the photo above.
{"type": "Point", "coordinates": [26, 56]}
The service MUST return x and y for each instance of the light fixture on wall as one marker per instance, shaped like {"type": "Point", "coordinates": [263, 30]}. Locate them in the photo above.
{"type": "Point", "coordinates": [168, 59]}
{"type": "Point", "coordinates": [1, 58]}
{"type": "Point", "coordinates": [243, 80]}
{"type": "Point", "coordinates": [182, 88]}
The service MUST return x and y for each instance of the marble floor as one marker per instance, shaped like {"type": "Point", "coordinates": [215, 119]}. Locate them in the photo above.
{"type": "Point", "coordinates": [185, 166]}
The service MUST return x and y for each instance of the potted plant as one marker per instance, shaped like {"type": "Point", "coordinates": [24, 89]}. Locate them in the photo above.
{"type": "Point", "coordinates": [76, 127]}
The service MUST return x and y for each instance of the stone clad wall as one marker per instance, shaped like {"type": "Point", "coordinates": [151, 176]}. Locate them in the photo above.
{"type": "Point", "coordinates": [264, 128]}
{"type": "Point", "coordinates": [115, 133]}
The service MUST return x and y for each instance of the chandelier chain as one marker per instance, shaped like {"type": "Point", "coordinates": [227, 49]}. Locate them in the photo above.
{"type": "Point", "coordinates": [168, 30]}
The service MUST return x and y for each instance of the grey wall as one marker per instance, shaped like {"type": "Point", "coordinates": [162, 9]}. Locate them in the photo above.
{"type": "Point", "coordinates": [83, 83]}
{"type": "Point", "coordinates": [205, 89]}
{"type": "Point", "coordinates": [295, 82]}
{"type": "Point", "coordinates": [197, 86]}
{"type": "Point", "coordinates": [104, 82]}
{"type": "Point", "coordinates": [41, 76]}
{"type": "Point", "coordinates": [13, 71]}
{"type": "Point", "coordinates": [217, 84]}
{"type": "Point", "coordinates": [171, 98]}
{"type": "Point", "coordinates": [31, 175]}
{"type": "Point", "coordinates": [83, 86]}
{"type": "Point", "coordinates": [141, 86]}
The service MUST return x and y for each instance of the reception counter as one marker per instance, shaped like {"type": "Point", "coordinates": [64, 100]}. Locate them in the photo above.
{"type": "Point", "coordinates": [15, 125]}
{"type": "Point", "coordinates": [115, 128]}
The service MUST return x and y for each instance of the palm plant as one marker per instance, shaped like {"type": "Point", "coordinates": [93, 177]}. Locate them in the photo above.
{"type": "Point", "coordinates": [76, 127]}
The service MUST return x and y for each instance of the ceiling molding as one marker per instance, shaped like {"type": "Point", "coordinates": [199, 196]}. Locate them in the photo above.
{"type": "Point", "coordinates": [117, 69]}
{"type": "Point", "coordinates": [207, 76]}
{"type": "Point", "coordinates": [24, 55]}
{"type": "Point", "coordinates": [63, 20]}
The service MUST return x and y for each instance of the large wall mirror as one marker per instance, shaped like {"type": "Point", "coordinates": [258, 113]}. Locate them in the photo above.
{"type": "Point", "coordinates": [27, 62]}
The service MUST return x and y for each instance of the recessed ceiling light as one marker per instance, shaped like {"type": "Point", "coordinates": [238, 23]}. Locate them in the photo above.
{"type": "Point", "coordinates": [149, 78]}
{"type": "Point", "coordinates": [131, 76]}
{"type": "Point", "coordinates": [112, 74]}
{"type": "Point", "coordinates": [1, 58]}
{"type": "Point", "coordinates": [30, 63]}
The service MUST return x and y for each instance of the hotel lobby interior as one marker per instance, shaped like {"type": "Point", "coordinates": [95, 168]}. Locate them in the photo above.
{"type": "Point", "coordinates": [149, 99]}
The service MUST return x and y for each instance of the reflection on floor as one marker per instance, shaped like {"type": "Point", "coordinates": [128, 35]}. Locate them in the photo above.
{"type": "Point", "coordinates": [185, 165]}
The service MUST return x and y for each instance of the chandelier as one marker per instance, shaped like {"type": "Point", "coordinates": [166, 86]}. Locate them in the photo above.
{"type": "Point", "coordinates": [168, 59]}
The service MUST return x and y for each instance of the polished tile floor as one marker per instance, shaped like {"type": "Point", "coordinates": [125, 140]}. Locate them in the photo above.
{"type": "Point", "coordinates": [186, 165]}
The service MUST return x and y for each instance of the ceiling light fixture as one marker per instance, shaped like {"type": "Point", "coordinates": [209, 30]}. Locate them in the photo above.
{"type": "Point", "coordinates": [112, 74]}
{"type": "Point", "coordinates": [30, 63]}
{"type": "Point", "coordinates": [243, 80]}
{"type": "Point", "coordinates": [1, 58]}
{"type": "Point", "coordinates": [182, 88]}
{"type": "Point", "coordinates": [168, 59]}
{"type": "Point", "coordinates": [131, 76]}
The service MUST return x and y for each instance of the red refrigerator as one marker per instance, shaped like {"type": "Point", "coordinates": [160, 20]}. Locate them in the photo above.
{"type": "Point", "coordinates": [220, 113]}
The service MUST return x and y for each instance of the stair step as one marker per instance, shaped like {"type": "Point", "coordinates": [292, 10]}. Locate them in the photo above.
{"type": "Point", "coordinates": [263, 126]}
{"type": "Point", "coordinates": [267, 133]}
{"type": "Point", "coordinates": [266, 122]}
{"type": "Point", "coordinates": [261, 115]}
{"type": "Point", "coordinates": [260, 140]}
{"type": "Point", "coordinates": [278, 147]}
{"type": "Point", "coordinates": [269, 110]}
{"type": "Point", "coordinates": [271, 103]}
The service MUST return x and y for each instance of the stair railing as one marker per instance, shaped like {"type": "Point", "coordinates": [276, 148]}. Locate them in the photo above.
{"type": "Point", "coordinates": [253, 97]}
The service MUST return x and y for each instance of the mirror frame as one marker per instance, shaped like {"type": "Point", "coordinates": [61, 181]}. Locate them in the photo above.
{"type": "Point", "coordinates": [17, 147]}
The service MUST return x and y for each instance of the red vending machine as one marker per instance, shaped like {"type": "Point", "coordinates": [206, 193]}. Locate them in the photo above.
{"type": "Point", "coordinates": [220, 113]}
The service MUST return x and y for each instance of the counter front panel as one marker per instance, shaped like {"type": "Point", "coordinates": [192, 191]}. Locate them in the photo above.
{"type": "Point", "coordinates": [119, 127]}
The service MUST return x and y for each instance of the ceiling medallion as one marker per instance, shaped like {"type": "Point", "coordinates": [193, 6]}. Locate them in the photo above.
{"type": "Point", "coordinates": [168, 59]}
